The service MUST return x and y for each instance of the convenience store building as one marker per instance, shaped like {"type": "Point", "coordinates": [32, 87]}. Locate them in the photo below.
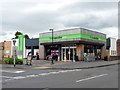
{"type": "Point", "coordinates": [69, 43]}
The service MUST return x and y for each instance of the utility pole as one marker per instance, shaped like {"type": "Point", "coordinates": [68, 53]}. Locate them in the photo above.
{"type": "Point", "coordinates": [52, 37]}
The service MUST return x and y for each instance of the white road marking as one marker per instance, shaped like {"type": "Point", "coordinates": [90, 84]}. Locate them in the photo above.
{"type": "Point", "coordinates": [28, 76]}
{"type": "Point", "coordinates": [15, 78]}
{"type": "Point", "coordinates": [11, 71]}
{"type": "Point", "coordinates": [70, 70]}
{"type": "Point", "coordinates": [41, 74]}
{"type": "Point", "coordinates": [8, 80]}
{"type": "Point", "coordinates": [54, 72]}
{"type": "Point", "coordinates": [19, 71]}
{"type": "Point", "coordinates": [91, 78]}
{"type": "Point", "coordinates": [5, 77]}
{"type": "Point", "coordinates": [19, 77]}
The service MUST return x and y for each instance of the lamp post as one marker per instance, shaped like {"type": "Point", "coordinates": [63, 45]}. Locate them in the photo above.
{"type": "Point", "coordinates": [14, 41]}
{"type": "Point", "coordinates": [52, 46]}
{"type": "Point", "coordinates": [52, 37]}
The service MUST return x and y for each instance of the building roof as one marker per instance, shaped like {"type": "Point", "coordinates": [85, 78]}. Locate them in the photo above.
{"type": "Point", "coordinates": [73, 29]}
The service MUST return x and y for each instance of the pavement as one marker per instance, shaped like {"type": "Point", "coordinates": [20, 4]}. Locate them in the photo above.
{"type": "Point", "coordinates": [44, 64]}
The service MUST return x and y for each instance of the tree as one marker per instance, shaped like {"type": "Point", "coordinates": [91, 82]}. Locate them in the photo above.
{"type": "Point", "coordinates": [26, 36]}
{"type": "Point", "coordinates": [19, 33]}
{"type": "Point", "coordinates": [16, 34]}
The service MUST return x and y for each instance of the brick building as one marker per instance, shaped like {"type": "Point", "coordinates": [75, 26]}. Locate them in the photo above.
{"type": "Point", "coordinates": [1, 50]}
{"type": "Point", "coordinates": [118, 47]}
{"type": "Point", "coordinates": [5, 49]}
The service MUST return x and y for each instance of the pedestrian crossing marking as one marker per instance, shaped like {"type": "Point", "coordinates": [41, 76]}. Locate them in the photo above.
{"type": "Point", "coordinates": [40, 74]}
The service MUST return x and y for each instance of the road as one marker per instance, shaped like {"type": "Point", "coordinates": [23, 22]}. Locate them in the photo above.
{"type": "Point", "coordinates": [102, 77]}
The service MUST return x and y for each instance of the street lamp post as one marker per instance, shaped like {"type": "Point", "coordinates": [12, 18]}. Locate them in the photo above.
{"type": "Point", "coordinates": [52, 46]}
{"type": "Point", "coordinates": [52, 37]}
{"type": "Point", "coordinates": [14, 41]}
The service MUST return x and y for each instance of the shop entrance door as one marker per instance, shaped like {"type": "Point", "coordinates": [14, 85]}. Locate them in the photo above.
{"type": "Point", "coordinates": [68, 53]}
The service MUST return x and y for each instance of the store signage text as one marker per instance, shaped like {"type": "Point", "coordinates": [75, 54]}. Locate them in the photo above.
{"type": "Point", "coordinates": [58, 37]}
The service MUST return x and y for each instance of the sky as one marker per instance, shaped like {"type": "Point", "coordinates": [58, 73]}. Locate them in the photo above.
{"type": "Point", "coordinates": [35, 16]}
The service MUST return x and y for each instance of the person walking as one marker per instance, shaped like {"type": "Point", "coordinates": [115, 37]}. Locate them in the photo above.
{"type": "Point", "coordinates": [52, 59]}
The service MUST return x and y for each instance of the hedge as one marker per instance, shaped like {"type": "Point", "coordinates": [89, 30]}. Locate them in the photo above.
{"type": "Point", "coordinates": [11, 61]}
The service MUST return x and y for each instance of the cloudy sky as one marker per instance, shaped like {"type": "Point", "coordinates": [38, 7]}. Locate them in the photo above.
{"type": "Point", "coordinates": [34, 16]}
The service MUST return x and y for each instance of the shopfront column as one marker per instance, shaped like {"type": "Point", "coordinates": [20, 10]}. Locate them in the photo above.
{"type": "Point", "coordinates": [60, 52]}
{"type": "Point", "coordinates": [32, 50]}
{"type": "Point", "coordinates": [108, 54]}
{"type": "Point", "coordinates": [103, 52]}
{"type": "Point", "coordinates": [42, 52]}
{"type": "Point", "coordinates": [80, 51]}
{"type": "Point", "coordinates": [95, 51]}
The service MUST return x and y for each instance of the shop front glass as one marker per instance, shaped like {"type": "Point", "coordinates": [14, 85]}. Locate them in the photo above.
{"type": "Point", "coordinates": [50, 51]}
{"type": "Point", "coordinates": [92, 51]}
{"type": "Point", "coordinates": [68, 53]}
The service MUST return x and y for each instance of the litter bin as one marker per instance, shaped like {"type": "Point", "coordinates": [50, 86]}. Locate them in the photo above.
{"type": "Point", "coordinates": [76, 58]}
{"type": "Point", "coordinates": [105, 58]}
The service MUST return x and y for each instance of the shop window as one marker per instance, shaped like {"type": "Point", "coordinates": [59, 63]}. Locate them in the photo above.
{"type": "Point", "coordinates": [113, 52]}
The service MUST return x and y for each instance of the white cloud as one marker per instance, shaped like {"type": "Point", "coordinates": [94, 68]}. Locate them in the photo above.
{"type": "Point", "coordinates": [6, 36]}
{"type": "Point", "coordinates": [111, 32]}
{"type": "Point", "coordinates": [98, 19]}
{"type": "Point", "coordinates": [48, 6]}
{"type": "Point", "coordinates": [40, 8]}
{"type": "Point", "coordinates": [38, 16]}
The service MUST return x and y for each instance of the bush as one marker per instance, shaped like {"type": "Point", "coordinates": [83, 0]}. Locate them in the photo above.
{"type": "Point", "coordinates": [19, 61]}
{"type": "Point", "coordinates": [11, 61]}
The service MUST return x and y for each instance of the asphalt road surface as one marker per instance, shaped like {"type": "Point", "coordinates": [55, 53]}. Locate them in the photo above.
{"type": "Point", "coordinates": [102, 77]}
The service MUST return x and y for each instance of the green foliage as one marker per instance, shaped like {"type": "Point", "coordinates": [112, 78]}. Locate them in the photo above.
{"type": "Point", "coordinates": [11, 61]}
{"type": "Point", "coordinates": [19, 33]}
{"type": "Point", "coordinates": [8, 60]}
{"type": "Point", "coordinates": [26, 36]}
{"type": "Point", "coordinates": [16, 34]}
{"type": "Point", "coordinates": [19, 61]}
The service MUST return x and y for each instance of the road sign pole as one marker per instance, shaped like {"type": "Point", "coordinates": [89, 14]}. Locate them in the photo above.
{"type": "Point", "coordinates": [14, 61]}
{"type": "Point", "coordinates": [14, 41]}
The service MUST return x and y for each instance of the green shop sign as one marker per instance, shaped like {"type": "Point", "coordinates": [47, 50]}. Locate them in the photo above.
{"type": "Point", "coordinates": [72, 36]}
{"type": "Point", "coordinates": [58, 37]}
{"type": "Point", "coordinates": [21, 45]}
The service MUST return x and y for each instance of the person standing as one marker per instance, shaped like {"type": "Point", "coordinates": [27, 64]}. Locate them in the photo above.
{"type": "Point", "coordinates": [37, 56]}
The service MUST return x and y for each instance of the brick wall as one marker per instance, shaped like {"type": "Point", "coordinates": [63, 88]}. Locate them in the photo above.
{"type": "Point", "coordinates": [80, 51]}
{"type": "Point", "coordinates": [7, 49]}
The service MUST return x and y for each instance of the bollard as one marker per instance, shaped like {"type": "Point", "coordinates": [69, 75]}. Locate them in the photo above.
{"type": "Point", "coordinates": [65, 59]}
{"type": "Point", "coordinates": [73, 60]}
{"type": "Point", "coordinates": [58, 58]}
